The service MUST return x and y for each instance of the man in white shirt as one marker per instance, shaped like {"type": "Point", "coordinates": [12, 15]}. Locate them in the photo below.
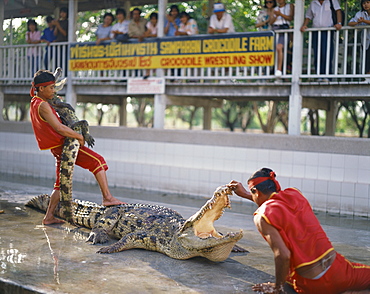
{"type": "Point", "coordinates": [320, 13]}
{"type": "Point", "coordinates": [220, 22]}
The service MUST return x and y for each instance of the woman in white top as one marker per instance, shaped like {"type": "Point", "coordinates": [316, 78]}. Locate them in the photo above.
{"type": "Point", "coordinates": [119, 30]}
{"type": "Point", "coordinates": [188, 26]}
{"type": "Point", "coordinates": [283, 15]}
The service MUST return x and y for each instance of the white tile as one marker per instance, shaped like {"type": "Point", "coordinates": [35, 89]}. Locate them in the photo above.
{"type": "Point", "coordinates": [299, 158]}
{"type": "Point", "coordinates": [312, 159]}
{"type": "Point", "coordinates": [363, 175]}
{"type": "Point", "coordinates": [323, 173]}
{"type": "Point", "coordinates": [299, 170]}
{"type": "Point", "coordinates": [346, 204]}
{"type": "Point", "coordinates": [337, 174]}
{"type": "Point", "coordinates": [351, 161]}
{"type": "Point", "coordinates": [348, 189]}
{"type": "Point", "coordinates": [287, 157]}
{"type": "Point", "coordinates": [311, 171]}
{"type": "Point", "coordinates": [337, 160]}
{"type": "Point", "coordinates": [321, 187]}
{"type": "Point", "coordinates": [324, 160]}
{"type": "Point", "coordinates": [308, 186]}
{"type": "Point", "coordinates": [351, 174]}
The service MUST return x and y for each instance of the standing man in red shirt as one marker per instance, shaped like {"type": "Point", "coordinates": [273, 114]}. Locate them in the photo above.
{"type": "Point", "coordinates": [50, 134]}
{"type": "Point", "coordinates": [304, 257]}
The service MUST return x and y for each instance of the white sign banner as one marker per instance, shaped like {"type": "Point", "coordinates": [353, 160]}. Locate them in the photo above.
{"type": "Point", "coordinates": [146, 86]}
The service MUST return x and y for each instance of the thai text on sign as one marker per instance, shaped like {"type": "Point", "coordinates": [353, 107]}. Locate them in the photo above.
{"type": "Point", "coordinates": [239, 49]}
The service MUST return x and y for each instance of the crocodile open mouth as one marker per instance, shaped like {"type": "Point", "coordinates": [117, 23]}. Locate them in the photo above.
{"type": "Point", "coordinates": [202, 221]}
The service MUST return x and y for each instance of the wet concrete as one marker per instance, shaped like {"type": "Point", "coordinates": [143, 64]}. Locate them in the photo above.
{"type": "Point", "coordinates": [56, 259]}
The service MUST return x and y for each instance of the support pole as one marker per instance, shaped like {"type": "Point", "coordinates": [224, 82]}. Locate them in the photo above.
{"type": "Point", "coordinates": [123, 112]}
{"type": "Point", "coordinates": [71, 96]}
{"type": "Point", "coordinates": [160, 102]}
{"type": "Point", "coordinates": [295, 98]}
{"type": "Point", "coordinates": [207, 117]}
{"type": "Point", "coordinates": [331, 118]}
{"type": "Point", "coordinates": [2, 17]}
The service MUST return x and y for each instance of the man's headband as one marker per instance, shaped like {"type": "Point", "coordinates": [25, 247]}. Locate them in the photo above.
{"type": "Point", "coordinates": [254, 182]}
{"type": "Point", "coordinates": [34, 86]}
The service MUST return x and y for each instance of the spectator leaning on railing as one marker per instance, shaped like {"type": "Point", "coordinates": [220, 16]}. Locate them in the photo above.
{"type": "Point", "coordinates": [104, 29]}
{"type": "Point", "coordinates": [283, 15]}
{"type": "Point", "coordinates": [220, 22]}
{"type": "Point", "coordinates": [173, 21]}
{"type": "Point", "coordinates": [188, 25]}
{"type": "Point", "coordinates": [137, 26]}
{"type": "Point", "coordinates": [320, 13]}
{"type": "Point", "coordinates": [119, 31]}
{"type": "Point", "coordinates": [33, 36]}
{"type": "Point", "coordinates": [265, 15]}
{"type": "Point", "coordinates": [48, 37]}
{"type": "Point", "coordinates": [362, 18]}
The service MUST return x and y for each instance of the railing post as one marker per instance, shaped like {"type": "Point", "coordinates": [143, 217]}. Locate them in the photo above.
{"type": "Point", "coordinates": [295, 98]}
{"type": "Point", "coordinates": [160, 100]}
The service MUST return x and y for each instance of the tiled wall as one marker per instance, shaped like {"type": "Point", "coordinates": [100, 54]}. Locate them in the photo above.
{"type": "Point", "coordinates": [334, 182]}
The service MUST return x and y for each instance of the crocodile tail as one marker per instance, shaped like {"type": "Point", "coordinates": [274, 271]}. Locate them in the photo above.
{"type": "Point", "coordinates": [40, 202]}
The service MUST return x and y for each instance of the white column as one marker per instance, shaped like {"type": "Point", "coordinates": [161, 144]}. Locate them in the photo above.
{"type": "Point", "coordinates": [2, 16]}
{"type": "Point", "coordinates": [160, 102]}
{"type": "Point", "coordinates": [162, 7]}
{"type": "Point", "coordinates": [71, 96]}
{"type": "Point", "coordinates": [295, 98]}
{"type": "Point", "coordinates": [1, 104]}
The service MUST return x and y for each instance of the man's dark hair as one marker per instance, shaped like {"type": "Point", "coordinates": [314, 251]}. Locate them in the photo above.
{"type": "Point", "coordinates": [64, 9]}
{"type": "Point", "coordinates": [49, 19]}
{"type": "Point", "coordinates": [136, 9]}
{"type": "Point", "coordinates": [109, 14]}
{"type": "Point", "coordinates": [43, 76]}
{"type": "Point", "coordinates": [266, 187]}
{"type": "Point", "coordinates": [121, 11]}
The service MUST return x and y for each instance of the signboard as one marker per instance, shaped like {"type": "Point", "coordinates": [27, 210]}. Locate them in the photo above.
{"type": "Point", "coordinates": [145, 86]}
{"type": "Point", "coordinates": [226, 50]}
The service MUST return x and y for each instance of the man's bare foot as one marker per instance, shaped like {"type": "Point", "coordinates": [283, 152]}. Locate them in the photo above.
{"type": "Point", "coordinates": [52, 221]}
{"type": "Point", "coordinates": [112, 201]}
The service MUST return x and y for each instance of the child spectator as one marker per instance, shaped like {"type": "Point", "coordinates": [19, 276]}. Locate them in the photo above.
{"type": "Point", "coordinates": [188, 25]}
{"type": "Point", "coordinates": [33, 36]}
{"type": "Point", "coordinates": [119, 30]}
{"type": "Point", "coordinates": [363, 18]}
{"type": "Point", "coordinates": [283, 15]}
{"type": "Point", "coordinates": [48, 37]}
{"type": "Point", "coordinates": [151, 31]}
{"type": "Point", "coordinates": [220, 22]}
{"type": "Point", "coordinates": [151, 26]}
{"type": "Point", "coordinates": [104, 29]}
{"type": "Point", "coordinates": [265, 15]}
{"type": "Point", "coordinates": [172, 22]}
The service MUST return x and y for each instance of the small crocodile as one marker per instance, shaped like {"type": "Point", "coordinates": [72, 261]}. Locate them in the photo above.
{"type": "Point", "coordinates": [71, 146]}
{"type": "Point", "coordinates": [154, 227]}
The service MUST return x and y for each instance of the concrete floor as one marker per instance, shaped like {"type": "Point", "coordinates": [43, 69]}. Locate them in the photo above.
{"type": "Point", "coordinates": [56, 259]}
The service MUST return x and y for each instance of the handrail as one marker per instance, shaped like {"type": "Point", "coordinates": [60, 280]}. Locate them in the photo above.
{"type": "Point", "coordinates": [348, 62]}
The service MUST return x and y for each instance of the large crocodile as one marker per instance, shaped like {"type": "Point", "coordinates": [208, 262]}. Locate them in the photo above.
{"type": "Point", "coordinates": [154, 227]}
{"type": "Point", "coordinates": [71, 146]}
